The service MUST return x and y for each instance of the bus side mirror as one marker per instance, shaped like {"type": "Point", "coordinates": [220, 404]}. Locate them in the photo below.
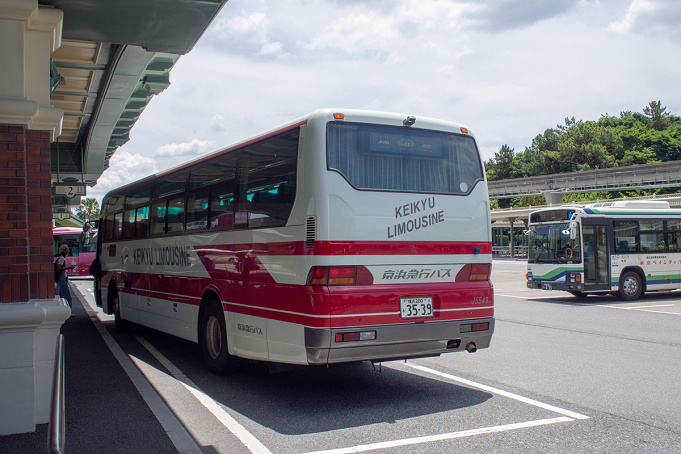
{"type": "Point", "coordinates": [573, 230]}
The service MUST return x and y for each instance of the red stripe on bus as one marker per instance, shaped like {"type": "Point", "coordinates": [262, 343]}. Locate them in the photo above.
{"type": "Point", "coordinates": [325, 307]}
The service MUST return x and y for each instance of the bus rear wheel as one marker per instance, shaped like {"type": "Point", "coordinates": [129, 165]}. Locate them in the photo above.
{"type": "Point", "coordinates": [630, 286]}
{"type": "Point", "coordinates": [121, 325]}
{"type": "Point", "coordinates": [214, 340]}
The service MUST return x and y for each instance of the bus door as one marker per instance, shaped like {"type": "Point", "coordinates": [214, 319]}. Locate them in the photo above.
{"type": "Point", "coordinates": [596, 256]}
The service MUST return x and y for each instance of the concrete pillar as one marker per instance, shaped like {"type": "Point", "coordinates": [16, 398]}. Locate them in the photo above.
{"type": "Point", "coordinates": [511, 240]}
{"type": "Point", "coordinates": [553, 198]}
{"type": "Point", "coordinates": [30, 315]}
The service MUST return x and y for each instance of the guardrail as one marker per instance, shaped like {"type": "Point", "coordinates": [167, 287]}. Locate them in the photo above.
{"type": "Point", "coordinates": [661, 174]}
{"type": "Point", "coordinates": [57, 427]}
{"type": "Point", "coordinates": [519, 252]}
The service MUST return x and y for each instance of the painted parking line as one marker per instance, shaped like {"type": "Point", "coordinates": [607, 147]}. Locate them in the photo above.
{"type": "Point", "coordinates": [256, 447]}
{"type": "Point", "coordinates": [442, 437]}
{"type": "Point", "coordinates": [644, 308]}
{"type": "Point", "coordinates": [253, 444]}
{"type": "Point", "coordinates": [500, 392]}
{"type": "Point", "coordinates": [530, 297]}
{"type": "Point", "coordinates": [176, 432]}
{"type": "Point", "coordinates": [567, 417]}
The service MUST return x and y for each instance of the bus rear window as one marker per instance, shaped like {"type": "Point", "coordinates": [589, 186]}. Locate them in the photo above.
{"type": "Point", "coordinates": [403, 159]}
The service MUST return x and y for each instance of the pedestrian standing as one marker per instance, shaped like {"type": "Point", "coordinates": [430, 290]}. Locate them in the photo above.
{"type": "Point", "coordinates": [62, 282]}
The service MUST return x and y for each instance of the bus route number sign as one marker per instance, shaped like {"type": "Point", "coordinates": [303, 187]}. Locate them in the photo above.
{"type": "Point", "coordinates": [416, 307]}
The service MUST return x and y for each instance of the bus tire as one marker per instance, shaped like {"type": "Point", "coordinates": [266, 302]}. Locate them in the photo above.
{"type": "Point", "coordinates": [214, 340]}
{"type": "Point", "coordinates": [630, 287]}
{"type": "Point", "coordinates": [121, 325]}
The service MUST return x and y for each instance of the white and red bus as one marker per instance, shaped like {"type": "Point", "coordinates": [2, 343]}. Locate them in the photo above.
{"type": "Point", "coordinates": [342, 236]}
{"type": "Point", "coordinates": [82, 244]}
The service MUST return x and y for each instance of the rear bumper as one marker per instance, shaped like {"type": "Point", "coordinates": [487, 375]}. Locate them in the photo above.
{"type": "Point", "coordinates": [395, 342]}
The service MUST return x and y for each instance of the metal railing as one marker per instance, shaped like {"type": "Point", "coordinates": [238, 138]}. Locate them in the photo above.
{"type": "Point", "coordinates": [657, 175]}
{"type": "Point", "coordinates": [519, 252]}
{"type": "Point", "coordinates": [57, 424]}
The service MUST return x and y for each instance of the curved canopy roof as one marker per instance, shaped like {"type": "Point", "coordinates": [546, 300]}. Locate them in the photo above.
{"type": "Point", "coordinates": [115, 56]}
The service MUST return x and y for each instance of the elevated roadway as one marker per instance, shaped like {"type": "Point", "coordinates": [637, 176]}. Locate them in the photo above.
{"type": "Point", "coordinates": [553, 187]}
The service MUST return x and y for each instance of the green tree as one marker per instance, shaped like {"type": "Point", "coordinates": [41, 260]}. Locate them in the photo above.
{"type": "Point", "coordinates": [88, 210]}
{"type": "Point", "coordinates": [501, 167]}
{"type": "Point", "coordinates": [583, 197]}
{"type": "Point", "coordinates": [656, 115]}
{"type": "Point", "coordinates": [585, 146]}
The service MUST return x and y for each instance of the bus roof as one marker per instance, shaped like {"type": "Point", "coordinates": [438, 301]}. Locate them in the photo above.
{"type": "Point", "coordinates": [66, 230]}
{"type": "Point", "coordinates": [351, 115]}
{"type": "Point", "coordinates": [621, 208]}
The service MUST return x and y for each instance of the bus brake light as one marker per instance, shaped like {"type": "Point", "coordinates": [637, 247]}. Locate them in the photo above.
{"type": "Point", "coordinates": [474, 272]}
{"type": "Point", "coordinates": [339, 275]}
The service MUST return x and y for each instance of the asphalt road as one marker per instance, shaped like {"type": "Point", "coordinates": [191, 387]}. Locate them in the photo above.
{"type": "Point", "coordinates": [561, 375]}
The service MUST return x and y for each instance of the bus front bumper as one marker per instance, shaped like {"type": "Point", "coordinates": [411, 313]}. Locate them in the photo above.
{"type": "Point", "coordinates": [568, 287]}
{"type": "Point", "coordinates": [397, 342]}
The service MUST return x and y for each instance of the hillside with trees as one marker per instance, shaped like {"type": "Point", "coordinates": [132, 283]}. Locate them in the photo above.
{"type": "Point", "coordinates": [612, 141]}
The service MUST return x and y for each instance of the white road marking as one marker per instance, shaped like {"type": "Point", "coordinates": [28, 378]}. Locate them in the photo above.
{"type": "Point", "coordinates": [447, 436]}
{"type": "Point", "coordinates": [253, 444]}
{"type": "Point", "coordinates": [256, 447]}
{"type": "Point", "coordinates": [536, 403]}
{"type": "Point", "coordinates": [529, 297]}
{"type": "Point", "coordinates": [172, 426]}
{"type": "Point", "coordinates": [640, 307]}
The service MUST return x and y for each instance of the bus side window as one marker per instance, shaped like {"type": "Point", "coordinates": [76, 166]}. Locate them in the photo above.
{"type": "Point", "coordinates": [262, 169]}
{"type": "Point", "coordinates": [129, 224]}
{"type": "Point", "coordinates": [222, 206]}
{"type": "Point", "coordinates": [142, 222]}
{"type": "Point", "coordinates": [118, 226]}
{"type": "Point", "coordinates": [176, 215]}
{"type": "Point", "coordinates": [197, 210]}
{"type": "Point", "coordinates": [158, 218]}
{"type": "Point", "coordinates": [56, 242]}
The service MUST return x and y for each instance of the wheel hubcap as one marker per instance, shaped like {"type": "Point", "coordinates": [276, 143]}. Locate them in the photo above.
{"type": "Point", "coordinates": [630, 287]}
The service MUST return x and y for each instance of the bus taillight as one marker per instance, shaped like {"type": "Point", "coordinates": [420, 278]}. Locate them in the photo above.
{"type": "Point", "coordinates": [474, 272]}
{"type": "Point", "coordinates": [339, 275]}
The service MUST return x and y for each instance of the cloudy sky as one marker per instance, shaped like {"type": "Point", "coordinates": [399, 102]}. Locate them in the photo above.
{"type": "Point", "coordinates": [507, 69]}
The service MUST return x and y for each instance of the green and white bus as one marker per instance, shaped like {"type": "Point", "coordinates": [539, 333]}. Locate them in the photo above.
{"type": "Point", "coordinates": [624, 248]}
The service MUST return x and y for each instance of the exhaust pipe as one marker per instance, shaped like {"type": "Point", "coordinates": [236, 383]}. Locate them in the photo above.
{"type": "Point", "coordinates": [471, 348]}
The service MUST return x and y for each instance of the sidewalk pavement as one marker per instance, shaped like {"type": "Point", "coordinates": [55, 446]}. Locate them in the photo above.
{"type": "Point", "coordinates": [104, 412]}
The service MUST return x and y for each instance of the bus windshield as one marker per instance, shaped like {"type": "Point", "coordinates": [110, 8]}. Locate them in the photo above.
{"type": "Point", "coordinates": [82, 247]}
{"type": "Point", "coordinates": [553, 242]}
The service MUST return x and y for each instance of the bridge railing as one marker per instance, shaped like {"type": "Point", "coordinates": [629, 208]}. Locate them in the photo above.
{"type": "Point", "coordinates": [519, 252]}
{"type": "Point", "coordinates": [663, 174]}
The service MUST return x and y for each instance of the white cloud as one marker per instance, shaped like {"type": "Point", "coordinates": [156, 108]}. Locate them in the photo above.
{"type": "Point", "coordinates": [123, 168]}
{"type": "Point", "coordinates": [508, 69]}
{"type": "Point", "coordinates": [194, 148]}
{"type": "Point", "coordinates": [636, 9]}
{"type": "Point", "coordinates": [650, 18]}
